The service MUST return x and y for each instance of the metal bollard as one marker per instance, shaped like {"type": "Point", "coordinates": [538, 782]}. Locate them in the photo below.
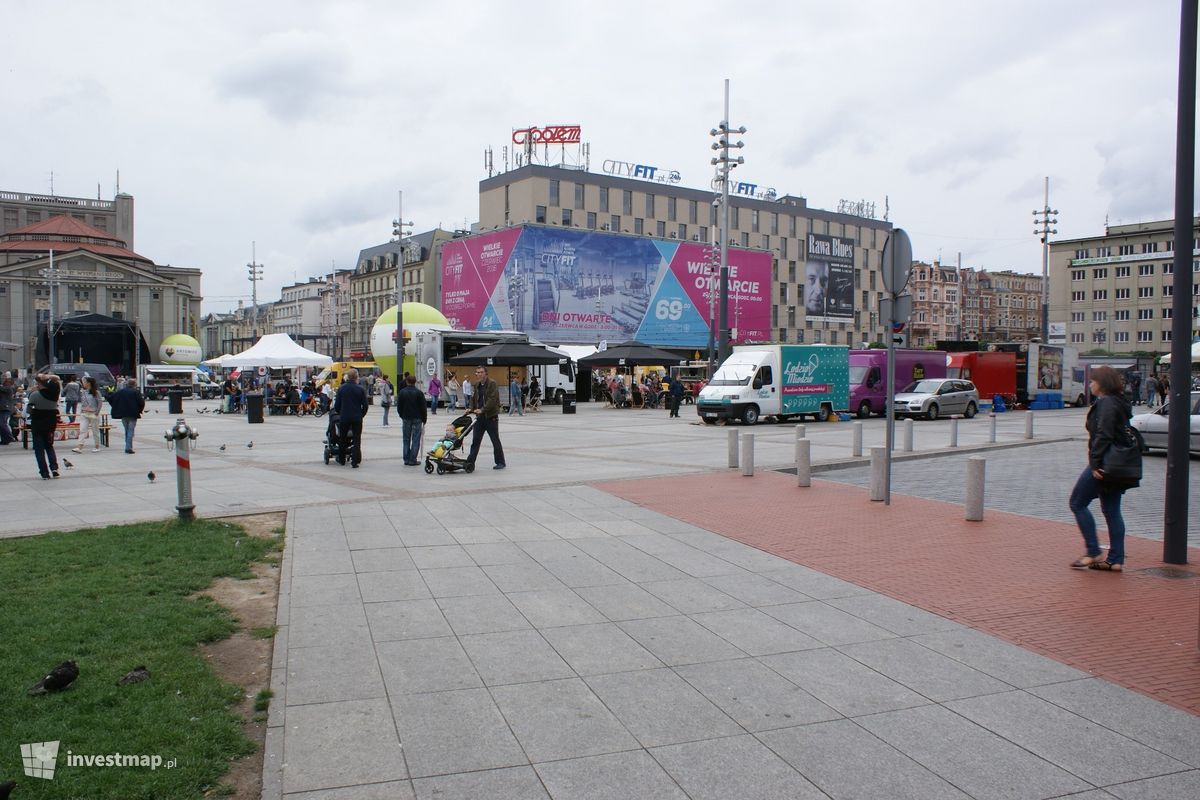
{"type": "Point", "coordinates": [908, 435]}
{"type": "Point", "coordinates": [800, 432]}
{"type": "Point", "coordinates": [878, 473]}
{"type": "Point", "coordinates": [992, 423]}
{"type": "Point", "coordinates": [856, 445]}
{"type": "Point", "coordinates": [182, 435]}
{"type": "Point", "coordinates": [733, 448]}
{"type": "Point", "coordinates": [954, 431]}
{"type": "Point", "coordinates": [803, 462]}
{"type": "Point", "coordinates": [975, 473]}
{"type": "Point", "coordinates": [1028, 424]}
{"type": "Point", "coordinates": [748, 454]}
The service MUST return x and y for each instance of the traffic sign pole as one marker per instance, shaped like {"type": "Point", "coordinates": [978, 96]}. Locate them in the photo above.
{"type": "Point", "coordinates": [896, 266]}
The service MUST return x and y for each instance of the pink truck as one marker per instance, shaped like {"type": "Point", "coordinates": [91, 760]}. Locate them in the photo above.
{"type": "Point", "coordinates": [868, 376]}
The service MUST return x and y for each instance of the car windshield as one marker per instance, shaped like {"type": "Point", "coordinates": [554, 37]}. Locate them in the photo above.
{"type": "Point", "coordinates": [733, 375]}
{"type": "Point", "coordinates": [857, 374]}
{"type": "Point", "coordinates": [923, 387]}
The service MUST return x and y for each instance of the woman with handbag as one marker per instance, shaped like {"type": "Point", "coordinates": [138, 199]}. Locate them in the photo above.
{"type": "Point", "coordinates": [1109, 443]}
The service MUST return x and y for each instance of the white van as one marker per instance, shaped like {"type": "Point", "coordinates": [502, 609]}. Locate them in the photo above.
{"type": "Point", "coordinates": [777, 380]}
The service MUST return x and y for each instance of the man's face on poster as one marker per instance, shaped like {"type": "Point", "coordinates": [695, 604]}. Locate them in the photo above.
{"type": "Point", "coordinates": [816, 284]}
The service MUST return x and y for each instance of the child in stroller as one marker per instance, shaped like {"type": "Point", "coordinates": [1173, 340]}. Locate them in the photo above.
{"type": "Point", "coordinates": [442, 457]}
{"type": "Point", "coordinates": [333, 439]}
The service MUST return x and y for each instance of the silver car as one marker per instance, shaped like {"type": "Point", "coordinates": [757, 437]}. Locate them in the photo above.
{"type": "Point", "coordinates": [1151, 429]}
{"type": "Point", "coordinates": [937, 397]}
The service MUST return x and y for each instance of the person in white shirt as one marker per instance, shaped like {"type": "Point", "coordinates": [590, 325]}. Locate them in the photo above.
{"type": "Point", "coordinates": [467, 389]}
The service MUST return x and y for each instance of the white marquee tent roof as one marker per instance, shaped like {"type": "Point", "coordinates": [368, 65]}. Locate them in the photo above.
{"type": "Point", "coordinates": [1195, 355]}
{"type": "Point", "coordinates": [279, 351]}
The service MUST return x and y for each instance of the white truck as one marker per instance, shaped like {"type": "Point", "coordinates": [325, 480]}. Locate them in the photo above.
{"type": "Point", "coordinates": [777, 380]}
{"type": "Point", "coordinates": [1047, 371]}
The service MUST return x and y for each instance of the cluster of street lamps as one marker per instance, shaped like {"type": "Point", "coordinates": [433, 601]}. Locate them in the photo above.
{"type": "Point", "coordinates": [399, 228]}
{"type": "Point", "coordinates": [724, 164]}
{"type": "Point", "coordinates": [1042, 221]}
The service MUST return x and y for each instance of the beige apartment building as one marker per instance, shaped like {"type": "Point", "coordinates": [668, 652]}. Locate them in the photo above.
{"type": "Point", "coordinates": [559, 195]}
{"type": "Point", "coordinates": [1116, 292]}
{"type": "Point", "coordinates": [977, 305]}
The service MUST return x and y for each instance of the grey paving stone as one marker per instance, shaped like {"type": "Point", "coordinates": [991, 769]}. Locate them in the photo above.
{"type": "Point", "coordinates": [625, 601]}
{"type": "Point", "coordinates": [378, 587]}
{"type": "Point", "coordinates": [845, 761]}
{"type": "Point", "coordinates": [1181, 786]}
{"type": "Point", "coordinates": [439, 557]}
{"type": "Point", "coordinates": [619, 776]}
{"type": "Point", "coordinates": [342, 625]}
{"type": "Point", "coordinates": [321, 563]}
{"type": "Point", "coordinates": [511, 783]}
{"type": "Point", "coordinates": [683, 557]}
{"type": "Point", "coordinates": [1154, 724]}
{"type": "Point", "coordinates": [628, 561]}
{"type": "Point", "coordinates": [502, 552]}
{"type": "Point", "coordinates": [598, 649]}
{"type": "Point", "coordinates": [1011, 664]}
{"type": "Point", "coordinates": [659, 707]}
{"type": "Point", "coordinates": [754, 696]}
{"type": "Point", "coordinates": [425, 536]}
{"type": "Point", "coordinates": [755, 633]}
{"type": "Point", "coordinates": [755, 590]}
{"type": "Point", "coordinates": [389, 559]}
{"type": "Point", "coordinates": [736, 553]}
{"type": "Point", "coordinates": [977, 761]}
{"type": "Point", "coordinates": [514, 657]}
{"type": "Point", "coordinates": [893, 615]}
{"type": "Point", "coordinates": [827, 624]}
{"type": "Point", "coordinates": [739, 766]}
{"type": "Point", "coordinates": [458, 582]}
{"type": "Point", "coordinates": [406, 619]}
{"type": "Point", "coordinates": [522, 577]}
{"type": "Point", "coordinates": [555, 549]}
{"type": "Point", "coordinates": [924, 671]}
{"type": "Point", "coordinates": [324, 590]}
{"type": "Point", "coordinates": [327, 674]}
{"type": "Point", "coordinates": [481, 614]}
{"type": "Point", "coordinates": [529, 531]}
{"type": "Point", "coordinates": [554, 608]}
{"type": "Point", "coordinates": [582, 570]}
{"type": "Point", "coordinates": [1065, 739]}
{"type": "Point", "coordinates": [842, 683]}
{"type": "Point", "coordinates": [370, 540]}
{"type": "Point", "coordinates": [812, 583]}
{"type": "Point", "coordinates": [425, 665]}
{"type": "Point", "coordinates": [691, 596]}
{"type": "Point", "coordinates": [679, 640]}
{"type": "Point", "coordinates": [368, 749]}
{"type": "Point", "coordinates": [478, 535]}
{"type": "Point", "coordinates": [392, 790]}
{"type": "Point", "coordinates": [453, 732]}
{"type": "Point", "coordinates": [561, 719]}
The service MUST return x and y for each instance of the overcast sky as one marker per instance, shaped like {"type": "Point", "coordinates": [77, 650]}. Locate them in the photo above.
{"type": "Point", "coordinates": [294, 124]}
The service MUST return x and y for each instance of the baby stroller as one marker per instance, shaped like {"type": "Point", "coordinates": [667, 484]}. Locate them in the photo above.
{"type": "Point", "coordinates": [333, 439]}
{"type": "Point", "coordinates": [442, 457]}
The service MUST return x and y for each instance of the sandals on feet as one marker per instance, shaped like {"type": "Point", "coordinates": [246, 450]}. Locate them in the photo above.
{"type": "Point", "coordinates": [1106, 566]}
{"type": "Point", "coordinates": [1083, 562]}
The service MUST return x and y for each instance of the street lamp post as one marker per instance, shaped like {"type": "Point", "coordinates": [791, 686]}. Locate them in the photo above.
{"type": "Point", "coordinates": [255, 271]}
{"type": "Point", "coordinates": [1042, 221]}
{"type": "Point", "coordinates": [726, 163]}
{"type": "Point", "coordinates": [399, 227]}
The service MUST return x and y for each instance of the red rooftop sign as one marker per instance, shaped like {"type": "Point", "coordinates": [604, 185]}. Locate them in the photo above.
{"type": "Point", "coordinates": [549, 134]}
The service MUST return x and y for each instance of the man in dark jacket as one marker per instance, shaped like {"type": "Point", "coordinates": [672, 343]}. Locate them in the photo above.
{"type": "Point", "coordinates": [411, 408]}
{"type": "Point", "coordinates": [675, 390]}
{"type": "Point", "coordinates": [351, 406]}
{"type": "Point", "coordinates": [485, 403]}
{"type": "Point", "coordinates": [127, 406]}
{"type": "Point", "coordinates": [43, 419]}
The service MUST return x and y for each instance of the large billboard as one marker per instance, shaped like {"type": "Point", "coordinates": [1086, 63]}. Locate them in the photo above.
{"type": "Point", "coordinates": [566, 286]}
{"type": "Point", "coordinates": [829, 278]}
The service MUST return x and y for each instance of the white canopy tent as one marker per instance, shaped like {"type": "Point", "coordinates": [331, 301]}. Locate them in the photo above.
{"type": "Point", "coordinates": [1195, 355]}
{"type": "Point", "coordinates": [216, 362]}
{"type": "Point", "coordinates": [278, 351]}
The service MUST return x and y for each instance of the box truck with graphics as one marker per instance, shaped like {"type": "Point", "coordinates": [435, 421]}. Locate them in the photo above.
{"type": "Point", "coordinates": [777, 380]}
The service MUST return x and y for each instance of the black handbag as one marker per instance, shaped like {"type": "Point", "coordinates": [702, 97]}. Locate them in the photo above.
{"type": "Point", "coordinates": [1122, 463]}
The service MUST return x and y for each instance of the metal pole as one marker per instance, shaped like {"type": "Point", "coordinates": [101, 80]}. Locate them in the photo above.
{"type": "Point", "coordinates": [723, 325]}
{"type": "Point", "coordinates": [1175, 514]}
{"type": "Point", "coordinates": [890, 442]}
{"type": "Point", "coordinates": [1046, 271]}
{"type": "Point", "coordinates": [50, 323]}
{"type": "Point", "coordinates": [399, 295]}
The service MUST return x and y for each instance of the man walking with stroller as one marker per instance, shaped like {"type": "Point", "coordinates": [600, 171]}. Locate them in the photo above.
{"type": "Point", "coordinates": [485, 404]}
{"type": "Point", "coordinates": [411, 408]}
{"type": "Point", "coordinates": [350, 405]}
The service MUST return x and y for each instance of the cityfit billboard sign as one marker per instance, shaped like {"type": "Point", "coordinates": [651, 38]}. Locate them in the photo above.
{"type": "Point", "coordinates": [550, 134]}
{"type": "Point", "coordinates": [646, 172]}
{"type": "Point", "coordinates": [829, 278]}
{"type": "Point", "coordinates": [587, 286]}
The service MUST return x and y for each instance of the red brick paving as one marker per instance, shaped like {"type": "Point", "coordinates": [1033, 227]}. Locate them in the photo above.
{"type": "Point", "coordinates": [1006, 576]}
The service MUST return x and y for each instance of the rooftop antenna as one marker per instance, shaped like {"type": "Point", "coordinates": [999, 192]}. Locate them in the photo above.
{"type": "Point", "coordinates": [887, 209]}
{"type": "Point", "coordinates": [119, 189]}
{"type": "Point", "coordinates": [52, 183]}
{"type": "Point", "coordinates": [97, 190]}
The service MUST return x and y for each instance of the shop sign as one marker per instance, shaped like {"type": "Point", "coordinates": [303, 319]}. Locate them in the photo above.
{"type": "Point", "coordinates": [549, 134]}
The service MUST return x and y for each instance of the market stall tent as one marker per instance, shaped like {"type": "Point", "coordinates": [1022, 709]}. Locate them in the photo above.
{"type": "Point", "coordinates": [1195, 355]}
{"type": "Point", "coordinates": [278, 351]}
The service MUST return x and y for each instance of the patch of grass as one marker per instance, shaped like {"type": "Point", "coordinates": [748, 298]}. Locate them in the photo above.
{"type": "Point", "coordinates": [265, 632]}
{"type": "Point", "coordinates": [263, 701]}
{"type": "Point", "coordinates": [111, 599]}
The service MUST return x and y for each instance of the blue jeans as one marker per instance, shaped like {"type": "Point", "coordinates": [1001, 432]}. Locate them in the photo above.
{"type": "Point", "coordinates": [433, 404]}
{"type": "Point", "coordinates": [43, 450]}
{"type": "Point", "coordinates": [410, 434]}
{"type": "Point", "coordinates": [387, 406]}
{"type": "Point", "coordinates": [1087, 489]}
{"type": "Point", "coordinates": [129, 423]}
{"type": "Point", "coordinates": [70, 407]}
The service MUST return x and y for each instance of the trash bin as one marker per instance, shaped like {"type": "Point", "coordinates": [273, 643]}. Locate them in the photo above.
{"type": "Point", "coordinates": [568, 402]}
{"type": "Point", "coordinates": [175, 401]}
{"type": "Point", "coordinates": [254, 407]}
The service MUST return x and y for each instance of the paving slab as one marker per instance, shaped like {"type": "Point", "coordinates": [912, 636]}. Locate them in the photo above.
{"type": "Point", "coordinates": [560, 719]}
{"type": "Point", "coordinates": [619, 776]}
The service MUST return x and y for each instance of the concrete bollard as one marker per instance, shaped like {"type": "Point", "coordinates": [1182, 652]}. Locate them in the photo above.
{"type": "Point", "coordinates": [856, 442]}
{"type": "Point", "coordinates": [733, 448]}
{"type": "Point", "coordinates": [1028, 424]}
{"type": "Point", "coordinates": [803, 462]}
{"type": "Point", "coordinates": [878, 473]}
{"type": "Point", "coordinates": [975, 474]}
{"type": "Point", "coordinates": [800, 432]}
{"type": "Point", "coordinates": [954, 431]}
{"type": "Point", "coordinates": [748, 454]}
{"type": "Point", "coordinates": [908, 435]}
{"type": "Point", "coordinates": [992, 431]}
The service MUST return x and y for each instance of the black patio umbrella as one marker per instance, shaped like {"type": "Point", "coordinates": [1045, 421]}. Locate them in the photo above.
{"type": "Point", "coordinates": [507, 354]}
{"type": "Point", "coordinates": [630, 354]}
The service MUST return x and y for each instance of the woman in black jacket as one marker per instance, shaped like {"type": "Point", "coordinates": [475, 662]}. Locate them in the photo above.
{"type": "Point", "coordinates": [1107, 421]}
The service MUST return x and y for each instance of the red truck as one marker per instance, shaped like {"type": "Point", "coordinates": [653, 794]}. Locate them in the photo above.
{"type": "Point", "coordinates": [992, 373]}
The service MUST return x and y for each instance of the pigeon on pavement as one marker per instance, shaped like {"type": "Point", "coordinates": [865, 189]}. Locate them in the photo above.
{"type": "Point", "coordinates": [221, 448]}
{"type": "Point", "coordinates": [251, 445]}
{"type": "Point", "coordinates": [151, 476]}
{"type": "Point", "coordinates": [57, 679]}
{"type": "Point", "coordinates": [67, 463]}
{"type": "Point", "coordinates": [135, 675]}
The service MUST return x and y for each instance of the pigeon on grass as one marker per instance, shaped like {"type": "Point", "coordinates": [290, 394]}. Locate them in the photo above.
{"type": "Point", "coordinates": [135, 675]}
{"type": "Point", "coordinates": [57, 679]}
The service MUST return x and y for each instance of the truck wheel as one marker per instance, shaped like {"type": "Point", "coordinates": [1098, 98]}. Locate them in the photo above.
{"type": "Point", "coordinates": [750, 415]}
{"type": "Point", "coordinates": [864, 409]}
{"type": "Point", "coordinates": [971, 409]}
{"type": "Point", "coordinates": [932, 413]}
{"type": "Point", "coordinates": [1080, 402]}
{"type": "Point", "coordinates": [824, 414]}
{"type": "Point", "coordinates": [558, 396]}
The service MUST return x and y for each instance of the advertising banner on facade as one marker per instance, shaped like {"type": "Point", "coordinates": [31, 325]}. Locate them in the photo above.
{"type": "Point", "coordinates": [829, 278]}
{"type": "Point", "coordinates": [566, 286]}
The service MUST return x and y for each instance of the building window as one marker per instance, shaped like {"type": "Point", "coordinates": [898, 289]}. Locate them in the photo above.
{"type": "Point", "coordinates": [754, 220]}
{"type": "Point", "coordinates": [671, 208]}
{"type": "Point", "coordinates": [650, 206]}
{"type": "Point", "coordinates": [1145, 336]}
{"type": "Point", "coordinates": [774, 224]}
{"type": "Point", "coordinates": [1122, 272]}
{"type": "Point", "coordinates": [693, 210]}
{"type": "Point", "coordinates": [1145, 313]}
{"type": "Point", "coordinates": [1125, 250]}
{"type": "Point", "coordinates": [682, 230]}
{"type": "Point", "coordinates": [539, 214]}
{"type": "Point", "coordinates": [660, 228]}
{"type": "Point", "coordinates": [1149, 247]}
{"type": "Point", "coordinates": [553, 193]}
{"type": "Point", "coordinates": [1099, 316]}
{"type": "Point", "coordinates": [1121, 337]}
{"type": "Point", "coordinates": [1168, 268]}
{"type": "Point", "coordinates": [1078, 316]}
{"type": "Point", "coordinates": [1099, 274]}
{"type": "Point", "coordinates": [1076, 338]}
{"type": "Point", "coordinates": [566, 217]}
{"type": "Point", "coordinates": [1145, 291]}
{"type": "Point", "coordinates": [637, 225]}
{"type": "Point", "coordinates": [733, 216]}
{"type": "Point", "coordinates": [614, 223]}
{"type": "Point", "coordinates": [745, 239]}
{"type": "Point", "coordinates": [1076, 297]}
{"type": "Point", "coordinates": [1145, 269]}
{"type": "Point", "coordinates": [579, 195]}
{"type": "Point", "coordinates": [1103, 252]}
{"type": "Point", "coordinates": [783, 253]}
{"type": "Point", "coordinates": [1120, 315]}
{"type": "Point", "coordinates": [32, 217]}
{"type": "Point", "coordinates": [1081, 253]}
{"type": "Point", "coordinates": [591, 220]}
{"type": "Point", "coordinates": [1078, 274]}
{"type": "Point", "coordinates": [627, 202]}
{"type": "Point", "coordinates": [604, 199]}
{"type": "Point", "coordinates": [1167, 312]}
{"type": "Point", "coordinates": [1122, 294]}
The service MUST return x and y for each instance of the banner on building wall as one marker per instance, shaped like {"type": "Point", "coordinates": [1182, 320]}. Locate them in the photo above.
{"type": "Point", "coordinates": [587, 286]}
{"type": "Point", "coordinates": [829, 278]}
